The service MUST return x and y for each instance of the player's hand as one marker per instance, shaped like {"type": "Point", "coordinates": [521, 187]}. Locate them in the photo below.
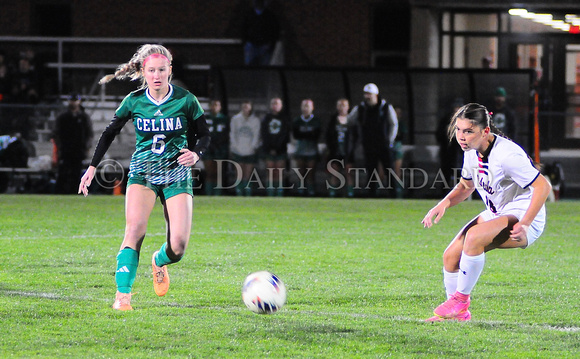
{"type": "Point", "coordinates": [187, 158]}
{"type": "Point", "coordinates": [86, 180]}
{"type": "Point", "coordinates": [436, 212]}
{"type": "Point", "coordinates": [519, 232]}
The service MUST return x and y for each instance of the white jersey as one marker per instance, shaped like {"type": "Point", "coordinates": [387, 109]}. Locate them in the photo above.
{"type": "Point", "coordinates": [503, 177]}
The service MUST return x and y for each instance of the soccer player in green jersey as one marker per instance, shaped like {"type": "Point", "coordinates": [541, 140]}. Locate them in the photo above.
{"type": "Point", "coordinates": [172, 135]}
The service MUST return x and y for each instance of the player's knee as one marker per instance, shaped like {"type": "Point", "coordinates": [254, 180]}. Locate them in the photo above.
{"type": "Point", "coordinates": [474, 240]}
{"type": "Point", "coordinates": [175, 254]}
{"type": "Point", "coordinates": [135, 231]}
{"type": "Point", "coordinates": [176, 251]}
{"type": "Point", "coordinates": [450, 261]}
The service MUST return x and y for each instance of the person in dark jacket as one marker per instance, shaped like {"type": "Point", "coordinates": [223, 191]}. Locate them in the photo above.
{"type": "Point", "coordinates": [376, 128]}
{"type": "Point", "coordinates": [72, 135]}
{"type": "Point", "coordinates": [275, 133]}
{"type": "Point", "coordinates": [306, 130]}
{"type": "Point", "coordinates": [260, 32]}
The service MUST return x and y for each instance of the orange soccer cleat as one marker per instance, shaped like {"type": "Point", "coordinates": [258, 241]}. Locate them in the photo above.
{"type": "Point", "coordinates": [122, 301]}
{"type": "Point", "coordinates": [160, 278]}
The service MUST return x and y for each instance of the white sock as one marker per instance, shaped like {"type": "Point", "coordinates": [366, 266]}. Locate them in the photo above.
{"type": "Point", "coordinates": [470, 268]}
{"type": "Point", "coordinates": [450, 282]}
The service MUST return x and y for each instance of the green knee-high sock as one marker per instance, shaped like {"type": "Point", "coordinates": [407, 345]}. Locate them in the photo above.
{"type": "Point", "coordinates": [127, 263]}
{"type": "Point", "coordinates": [161, 258]}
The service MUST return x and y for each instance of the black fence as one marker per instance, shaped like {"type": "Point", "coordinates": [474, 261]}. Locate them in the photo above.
{"type": "Point", "coordinates": [422, 95]}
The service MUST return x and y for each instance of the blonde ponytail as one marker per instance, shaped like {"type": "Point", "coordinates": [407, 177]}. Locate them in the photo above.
{"type": "Point", "coordinates": [132, 69]}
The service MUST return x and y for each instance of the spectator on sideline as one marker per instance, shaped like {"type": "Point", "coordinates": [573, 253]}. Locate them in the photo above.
{"type": "Point", "coordinates": [502, 115]}
{"type": "Point", "coordinates": [25, 83]}
{"type": "Point", "coordinates": [72, 135]}
{"type": "Point", "coordinates": [306, 130]}
{"type": "Point", "coordinates": [3, 59]}
{"type": "Point", "coordinates": [5, 83]}
{"type": "Point", "coordinates": [275, 137]}
{"type": "Point", "coordinates": [260, 32]}
{"type": "Point", "coordinates": [376, 127]}
{"type": "Point", "coordinates": [244, 144]}
{"type": "Point", "coordinates": [171, 136]}
{"type": "Point", "coordinates": [219, 129]}
{"type": "Point", "coordinates": [14, 152]}
{"type": "Point", "coordinates": [340, 148]}
{"type": "Point", "coordinates": [5, 78]}
{"type": "Point", "coordinates": [398, 154]}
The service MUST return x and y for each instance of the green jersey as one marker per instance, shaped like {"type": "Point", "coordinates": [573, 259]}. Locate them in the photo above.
{"type": "Point", "coordinates": [219, 129]}
{"type": "Point", "coordinates": [306, 131]}
{"type": "Point", "coordinates": [161, 132]}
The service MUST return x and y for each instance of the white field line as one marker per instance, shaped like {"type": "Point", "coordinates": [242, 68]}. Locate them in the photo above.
{"type": "Point", "coordinates": [493, 323]}
{"type": "Point", "coordinates": [120, 235]}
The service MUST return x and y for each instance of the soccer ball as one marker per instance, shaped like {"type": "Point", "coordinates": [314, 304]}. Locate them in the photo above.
{"type": "Point", "coordinates": [263, 292]}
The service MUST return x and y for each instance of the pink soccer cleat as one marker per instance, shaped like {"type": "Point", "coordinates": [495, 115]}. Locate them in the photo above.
{"type": "Point", "coordinates": [461, 317]}
{"type": "Point", "coordinates": [453, 306]}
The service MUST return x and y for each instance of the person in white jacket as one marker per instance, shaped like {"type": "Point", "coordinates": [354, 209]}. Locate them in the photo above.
{"type": "Point", "coordinates": [244, 144]}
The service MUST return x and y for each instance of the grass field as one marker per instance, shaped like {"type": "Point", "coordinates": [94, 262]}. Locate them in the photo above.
{"type": "Point", "coordinates": [362, 275]}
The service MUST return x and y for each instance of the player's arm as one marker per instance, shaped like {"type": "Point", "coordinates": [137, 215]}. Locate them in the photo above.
{"type": "Point", "coordinates": [198, 140]}
{"type": "Point", "coordinates": [542, 189]}
{"type": "Point", "coordinates": [458, 194]}
{"type": "Point", "coordinates": [107, 138]}
{"type": "Point", "coordinates": [103, 145]}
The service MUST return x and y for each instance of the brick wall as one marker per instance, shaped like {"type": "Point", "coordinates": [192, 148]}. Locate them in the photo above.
{"type": "Point", "coordinates": [326, 32]}
{"type": "Point", "coordinates": [315, 32]}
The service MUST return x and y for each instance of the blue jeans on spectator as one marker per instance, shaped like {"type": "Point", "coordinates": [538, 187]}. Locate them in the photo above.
{"type": "Point", "coordinates": [257, 55]}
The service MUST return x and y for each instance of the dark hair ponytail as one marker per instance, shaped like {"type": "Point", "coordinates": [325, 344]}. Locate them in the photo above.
{"type": "Point", "coordinates": [481, 118]}
{"type": "Point", "coordinates": [478, 115]}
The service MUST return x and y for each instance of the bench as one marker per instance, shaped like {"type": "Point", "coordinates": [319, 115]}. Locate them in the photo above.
{"type": "Point", "coordinates": [25, 180]}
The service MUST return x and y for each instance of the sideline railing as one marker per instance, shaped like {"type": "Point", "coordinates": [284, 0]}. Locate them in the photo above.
{"type": "Point", "coordinates": [60, 43]}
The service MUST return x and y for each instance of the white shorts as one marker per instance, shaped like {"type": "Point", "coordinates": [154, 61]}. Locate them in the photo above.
{"type": "Point", "coordinates": [535, 230]}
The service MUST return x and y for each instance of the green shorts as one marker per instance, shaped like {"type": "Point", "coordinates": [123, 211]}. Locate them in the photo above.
{"type": "Point", "coordinates": [398, 150]}
{"type": "Point", "coordinates": [164, 191]}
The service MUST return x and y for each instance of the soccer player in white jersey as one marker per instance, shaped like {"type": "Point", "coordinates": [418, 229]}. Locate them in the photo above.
{"type": "Point", "coordinates": [513, 191]}
{"type": "Point", "coordinates": [172, 135]}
